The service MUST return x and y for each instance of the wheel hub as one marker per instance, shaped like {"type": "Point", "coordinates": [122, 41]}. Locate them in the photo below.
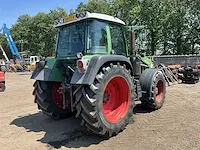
{"type": "Point", "coordinates": [116, 99]}
{"type": "Point", "coordinates": [156, 90]}
{"type": "Point", "coordinates": [159, 91]}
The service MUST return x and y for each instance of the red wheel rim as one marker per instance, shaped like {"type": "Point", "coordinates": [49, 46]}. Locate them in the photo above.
{"type": "Point", "coordinates": [159, 91]}
{"type": "Point", "coordinates": [116, 99]}
{"type": "Point", "coordinates": [57, 97]}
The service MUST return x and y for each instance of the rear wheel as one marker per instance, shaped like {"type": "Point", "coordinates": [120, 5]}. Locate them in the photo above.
{"type": "Point", "coordinates": [2, 87]}
{"type": "Point", "coordinates": [153, 83]}
{"type": "Point", "coordinates": [49, 100]}
{"type": "Point", "coordinates": [158, 93]}
{"type": "Point", "coordinates": [106, 106]}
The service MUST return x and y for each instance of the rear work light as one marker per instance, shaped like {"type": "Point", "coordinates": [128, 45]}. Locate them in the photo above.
{"type": "Point", "coordinates": [80, 65]}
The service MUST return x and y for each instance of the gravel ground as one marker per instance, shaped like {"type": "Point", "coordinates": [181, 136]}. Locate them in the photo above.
{"type": "Point", "coordinates": [22, 126]}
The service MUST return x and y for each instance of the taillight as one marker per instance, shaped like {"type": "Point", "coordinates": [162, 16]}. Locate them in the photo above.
{"type": "Point", "coordinates": [80, 65]}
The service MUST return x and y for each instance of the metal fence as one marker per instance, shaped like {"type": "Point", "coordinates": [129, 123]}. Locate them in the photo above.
{"type": "Point", "coordinates": [184, 60]}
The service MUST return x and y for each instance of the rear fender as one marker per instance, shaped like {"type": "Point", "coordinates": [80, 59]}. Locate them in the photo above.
{"type": "Point", "coordinates": [94, 66]}
{"type": "Point", "coordinates": [48, 71]}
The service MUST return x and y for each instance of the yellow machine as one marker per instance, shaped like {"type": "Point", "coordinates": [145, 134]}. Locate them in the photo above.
{"type": "Point", "coordinates": [30, 62]}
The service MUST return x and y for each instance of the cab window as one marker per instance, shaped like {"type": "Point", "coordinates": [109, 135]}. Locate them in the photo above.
{"type": "Point", "coordinates": [117, 40]}
{"type": "Point", "coordinates": [97, 37]}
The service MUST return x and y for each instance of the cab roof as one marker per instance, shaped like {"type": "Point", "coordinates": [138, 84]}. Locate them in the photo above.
{"type": "Point", "coordinates": [87, 15]}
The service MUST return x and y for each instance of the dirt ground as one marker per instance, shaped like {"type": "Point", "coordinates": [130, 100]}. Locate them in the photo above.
{"type": "Point", "coordinates": [175, 126]}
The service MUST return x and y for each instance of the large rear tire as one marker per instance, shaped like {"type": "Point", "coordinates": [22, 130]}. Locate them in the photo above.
{"type": "Point", "coordinates": [152, 82]}
{"type": "Point", "coordinates": [49, 100]}
{"type": "Point", "coordinates": [106, 106]}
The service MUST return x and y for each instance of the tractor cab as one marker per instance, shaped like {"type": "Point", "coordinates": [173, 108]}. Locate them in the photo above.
{"type": "Point", "coordinates": [91, 34]}
{"type": "Point", "coordinates": [100, 34]}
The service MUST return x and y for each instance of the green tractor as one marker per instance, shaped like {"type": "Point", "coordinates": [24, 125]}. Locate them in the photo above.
{"type": "Point", "coordinates": [95, 75]}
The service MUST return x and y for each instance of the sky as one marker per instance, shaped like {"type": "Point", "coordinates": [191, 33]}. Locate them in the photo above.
{"type": "Point", "coordinates": [10, 10]}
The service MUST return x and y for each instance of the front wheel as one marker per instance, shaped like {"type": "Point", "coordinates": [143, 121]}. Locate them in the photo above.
{"type": "Point", "coordinates": [152, 83]}
{"type": "Point", "coordinates": [106, 106]}
{"type": "Point", "coordinates": [2, 87]}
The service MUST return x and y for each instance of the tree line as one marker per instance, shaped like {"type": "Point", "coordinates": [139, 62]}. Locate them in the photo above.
{"type": "Point", "coordinates": [173, 25]}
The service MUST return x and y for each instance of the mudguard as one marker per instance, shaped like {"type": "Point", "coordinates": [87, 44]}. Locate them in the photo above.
{"type": "Point", "coordinates": [48, 71]}
{"type": "Point", "coordinates": [95, 64]}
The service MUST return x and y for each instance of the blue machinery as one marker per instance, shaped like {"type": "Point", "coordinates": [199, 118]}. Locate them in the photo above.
{"type": "Point", "coordinates": [11, 43]}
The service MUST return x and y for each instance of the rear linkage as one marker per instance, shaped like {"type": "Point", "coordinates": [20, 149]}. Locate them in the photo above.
{"type": "Point", "coordinates": [66, 87]}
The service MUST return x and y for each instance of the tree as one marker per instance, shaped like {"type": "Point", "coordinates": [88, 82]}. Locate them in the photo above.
{"type": "Point", "coordinates": [80, 8]}
{"type": "Point", "coordinates": [37, 32]}
{"type": "Point", "coordinates": [173, 25]}
{"type": "Point", "coordinates": [98, 6]}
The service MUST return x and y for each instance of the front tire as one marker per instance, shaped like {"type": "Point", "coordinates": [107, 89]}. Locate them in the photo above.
{"type": "Point", "coordinates": [2, 87]}
{"type": "Point", "coordinates": [49, 100]}
{"type": "Point", "coordinates": [106, 106]}
{"type": "Point", "coordinates": [152, 82]}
